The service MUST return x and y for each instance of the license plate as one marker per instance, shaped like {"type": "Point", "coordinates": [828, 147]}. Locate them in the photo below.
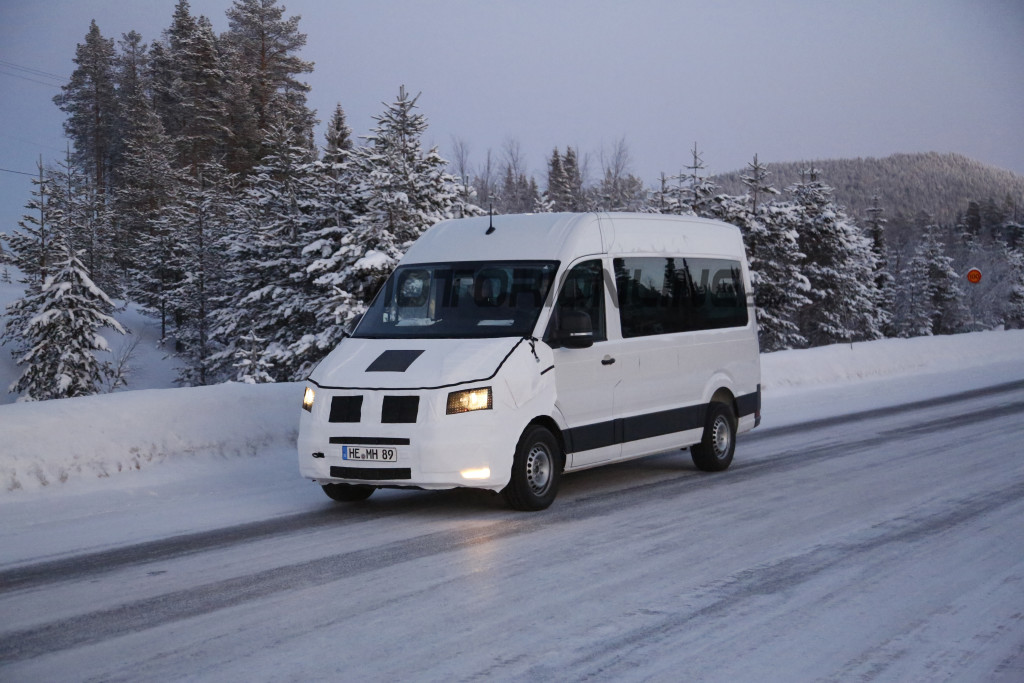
{"type": "Point", "coordinates": [372, 453]}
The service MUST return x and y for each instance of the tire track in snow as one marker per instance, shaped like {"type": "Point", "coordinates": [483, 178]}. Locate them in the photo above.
{"type": "Point", "coordinates": [625, 651]}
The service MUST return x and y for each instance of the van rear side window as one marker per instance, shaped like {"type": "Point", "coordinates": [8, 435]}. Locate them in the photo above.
{"type": "Point", "coordinates": [663, 295]}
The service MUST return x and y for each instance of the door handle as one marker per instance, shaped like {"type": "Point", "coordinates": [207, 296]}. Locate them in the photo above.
{"type": "Point", "coordinates": [607, 360]}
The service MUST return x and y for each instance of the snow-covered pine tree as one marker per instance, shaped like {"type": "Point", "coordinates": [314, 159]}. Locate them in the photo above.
{"type": "Point", "coordinates": [1013, 316]}
{"type": "Point", "coordinates": [931, 301]}
{"type": "Point", "coordinates": [35, 248]}
{"type": "Point", "coordinates": [667, 198]}
{"type": "Point", "coordinates": [334, 201]}
{"type": "Point", "coordinates": [559, 192]}
{"type": "Point", "coordinates": [700, 191]}
{"type": "Point", "coordinates": [270, 294]}
{"type": "Point", "coordinates": [188, 79]}
{"type": "Point", "coordinates": [62, 336]}
{"type": "Point", "coordinates": [576, 199]}
{"type": "Point", "coordinates": [150, 183]}
{"type": "Point", "coordinates": [251, 364]}
{"type": "Point", "coordinates": [407, 190]}
{"type": "Point", "coordinates": [80, 214]}
{"type": "Point", "coordinates": [885, 283]}
{"type": "Point", "coordinates": [839, 265]}
{"type": "Point", "coordinates": [196, 221]}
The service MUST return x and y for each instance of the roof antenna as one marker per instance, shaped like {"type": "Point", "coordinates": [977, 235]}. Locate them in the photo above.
{"type": "Point", "coordinates": [490, 214]}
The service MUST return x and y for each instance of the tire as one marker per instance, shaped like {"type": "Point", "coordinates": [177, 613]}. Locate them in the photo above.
{"type": "Point", "coordinates": [536, 471]}
{"type": "Point", "coordinates": [348, 493]}
{"type": "Point", "coordinates": [717, 445]}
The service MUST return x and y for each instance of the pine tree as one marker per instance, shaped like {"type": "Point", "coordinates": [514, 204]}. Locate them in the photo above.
{"type": "Point", "coordinates": [667, 199]}
{"type": "Point", "coordinates": [251, 364]}
{"type": "Point", "coordinates": [266, 45]}
{"type": "Point", "coordinates": [81, 214]}
{"type": "Point", "coordinates": [61, 338]}
{"type": "Point", "coordinates": [559, 192]}
{"type": "Point", "coordinates": [91, 106]}
{"type": "Point", "coordinates": [407, 190]}
{"type": "Point", "coordinates": [271, 294]}
{"type": "Point", "coordinates": [932, 300]}
{"type": "Point", "coordinates": [152, 186]}
{"type": "Point", "coordinates": [576, 196]}
{"type": "Point", "coordinates": [698, 195]}
{"type": "Point", "coordinates": [1013, 316]}
{"type": "Point", "coordinates": [196, 221]}
{"type": "Point", "coordinates": [188, 79]}
{"type": "Point", "coordinates": [839, 265]}
{"type": "Point", "coordinates": [35, 247]}
{"type": "Point", "coordinates": [885, 283]}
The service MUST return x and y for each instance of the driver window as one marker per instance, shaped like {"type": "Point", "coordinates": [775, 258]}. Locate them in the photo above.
{"type": "Point", "coordinates": [583, 292]}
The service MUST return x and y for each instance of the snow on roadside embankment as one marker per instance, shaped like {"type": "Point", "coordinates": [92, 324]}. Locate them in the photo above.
{"type": "Point", "coordinates": [49, 443]}
{"type": "Point", "coordinates": [90, 442]}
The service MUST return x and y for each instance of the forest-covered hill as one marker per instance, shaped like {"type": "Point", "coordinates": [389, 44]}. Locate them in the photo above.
{"type": "Point", "coordinates": [906, 184]}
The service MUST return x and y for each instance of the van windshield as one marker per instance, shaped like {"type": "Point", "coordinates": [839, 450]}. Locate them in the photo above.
{"type": "Point", "coordinates": [463, 300]}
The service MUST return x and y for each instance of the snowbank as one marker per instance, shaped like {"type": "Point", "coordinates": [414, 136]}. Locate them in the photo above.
{"type": "Point", "coordinates": [48, 443]}
{"type": "Point", "coordinates": [90, 441]}
{"type": "Point", "coordinates": [842, 363]}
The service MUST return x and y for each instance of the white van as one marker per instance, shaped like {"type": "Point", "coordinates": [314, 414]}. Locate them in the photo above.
{"type": "Point", "coordinates": [506, 350]}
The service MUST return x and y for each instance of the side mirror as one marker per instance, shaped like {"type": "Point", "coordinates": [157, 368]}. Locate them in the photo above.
{"type": "Point", "coordinates": [575, 330]}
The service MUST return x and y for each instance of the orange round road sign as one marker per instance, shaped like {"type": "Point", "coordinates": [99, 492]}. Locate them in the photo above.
{"type": "Point", "coordinates": [974, 276]}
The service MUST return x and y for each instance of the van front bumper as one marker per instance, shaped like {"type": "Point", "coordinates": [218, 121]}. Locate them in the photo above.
{"type": "Point", "coordinates": [438, 451]}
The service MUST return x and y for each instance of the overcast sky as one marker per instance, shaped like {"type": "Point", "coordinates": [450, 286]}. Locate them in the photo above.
{"type": "Point", "coordinates": [786, 79]}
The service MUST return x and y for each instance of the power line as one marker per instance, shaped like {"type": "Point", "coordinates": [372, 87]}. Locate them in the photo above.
{"type": "Point", "coordinates": [7, 170]}
{"type": "Point", "coordinates": [26, 78]}
{"type": "Point", "coordinates": [30, 70]}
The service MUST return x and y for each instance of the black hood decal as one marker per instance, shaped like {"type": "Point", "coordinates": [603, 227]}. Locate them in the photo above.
{"type": "Point", "coordinates": [393, 361]}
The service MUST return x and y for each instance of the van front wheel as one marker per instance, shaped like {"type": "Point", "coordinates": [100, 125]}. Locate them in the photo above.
{"type": "Point", "coordinates": [348, 493]}
{"type": "Point", "coordinates": [715, 450]}
{"type": "Point", "coordinates": [536, 471]}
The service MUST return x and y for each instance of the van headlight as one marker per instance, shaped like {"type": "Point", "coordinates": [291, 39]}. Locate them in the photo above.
{"type": "Point", "coordinates": [471, 399]}
{"type": "Point", "coordinates": [307, 399]}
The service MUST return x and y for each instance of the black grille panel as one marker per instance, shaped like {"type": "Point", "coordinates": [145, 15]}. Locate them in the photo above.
{"type": "Point", "coordinates": [400, 409]}
{"type": "Point", "coordinates": [371, 473]}
{"type": "Point", "coordinates": [346, 409]}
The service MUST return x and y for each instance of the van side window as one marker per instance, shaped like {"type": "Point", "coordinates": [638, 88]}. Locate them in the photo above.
{"type": "Point", "coordinates": [583, 292]}
{"type": "Point", "coordinates": [663, 295]}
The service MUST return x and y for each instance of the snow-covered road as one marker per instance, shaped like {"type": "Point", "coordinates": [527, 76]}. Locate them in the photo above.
{"type": "Point", "coordinates": [886, 545]}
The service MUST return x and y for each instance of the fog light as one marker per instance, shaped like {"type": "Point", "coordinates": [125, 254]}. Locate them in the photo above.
{"type": "Point", "coordinates": [307, 399]}
{"type": "Point", "coordinates": [471, 399]}
{"type": "Point", "coordinates": [476, 473]}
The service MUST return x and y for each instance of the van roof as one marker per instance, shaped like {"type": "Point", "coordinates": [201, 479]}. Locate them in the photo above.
{"type": "Point", "coordinates": [568, 236]}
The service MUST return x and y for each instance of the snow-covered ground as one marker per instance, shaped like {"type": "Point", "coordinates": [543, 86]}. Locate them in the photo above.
{"type": "Point", "coordinates": [197, 458]}
{"type": "Point", "coordinates": [819, 555]}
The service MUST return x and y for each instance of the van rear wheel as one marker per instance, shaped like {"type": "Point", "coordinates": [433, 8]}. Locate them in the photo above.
{"type": "Point", "coordinates": [715, 450]}
{"type": "Point", "coordinates": [348, 493]}
{"type": "Point", "coordinates": [536, 471]}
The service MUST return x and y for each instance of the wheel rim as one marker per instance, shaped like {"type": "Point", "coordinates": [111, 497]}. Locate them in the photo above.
{"type": "Point", "coordinates": [538, 469]}
{"type": "Point", "coordinates": [721, 437]}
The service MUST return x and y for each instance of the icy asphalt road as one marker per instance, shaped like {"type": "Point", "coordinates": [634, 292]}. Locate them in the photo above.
{"type": "Point", "coordinates": [886, 546]}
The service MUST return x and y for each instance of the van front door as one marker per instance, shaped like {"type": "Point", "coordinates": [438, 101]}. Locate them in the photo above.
{"type": "Point", "coordinates": [586, 378]}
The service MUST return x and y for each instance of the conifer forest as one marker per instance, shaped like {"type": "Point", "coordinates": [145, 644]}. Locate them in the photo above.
{"type": "Point", "coordinates": [196, 185]}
